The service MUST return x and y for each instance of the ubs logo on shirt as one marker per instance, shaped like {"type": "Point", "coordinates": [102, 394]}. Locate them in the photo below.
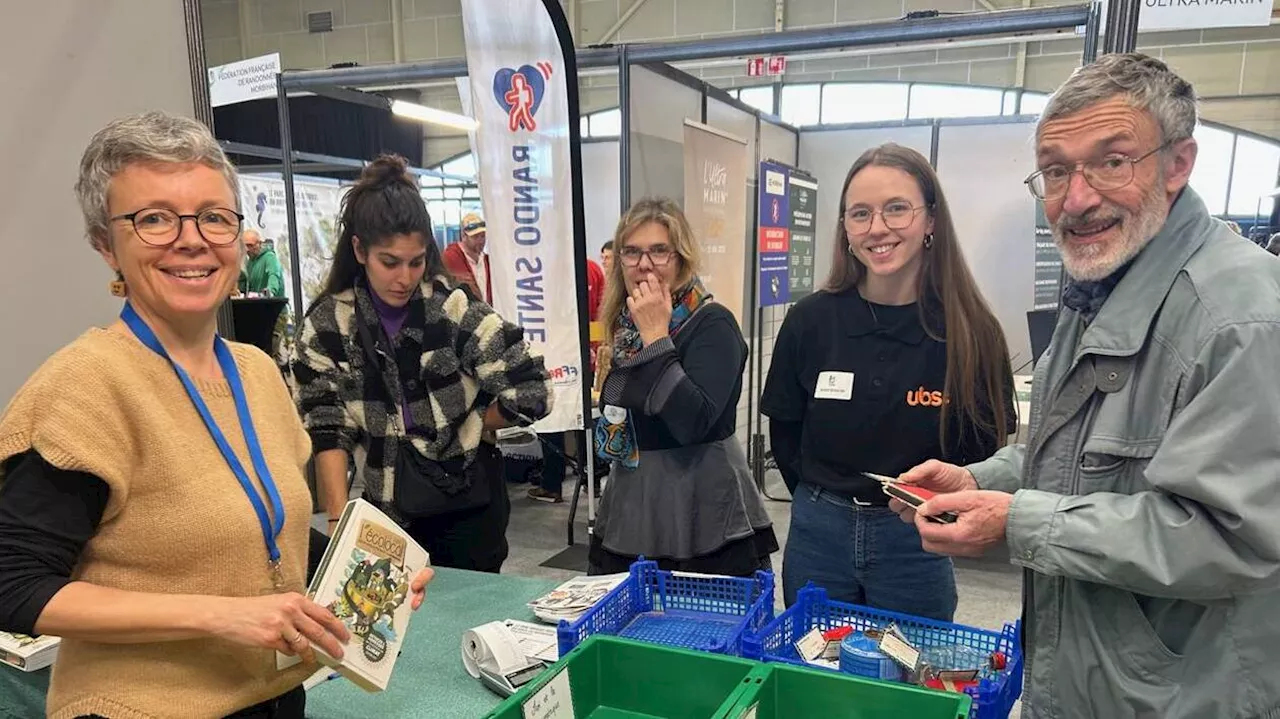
{"type": "Point", "coordinates": [921, 397]}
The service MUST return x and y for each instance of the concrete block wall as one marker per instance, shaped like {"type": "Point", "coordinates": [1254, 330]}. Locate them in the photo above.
{"type": "Point", "coordinates": [1237, 69]}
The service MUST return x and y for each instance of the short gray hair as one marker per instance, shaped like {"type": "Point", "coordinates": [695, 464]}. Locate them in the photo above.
{"type": "Point", "coordinates": [1143, 81]}
{"type": "Point", "coordinates": [150, 137]}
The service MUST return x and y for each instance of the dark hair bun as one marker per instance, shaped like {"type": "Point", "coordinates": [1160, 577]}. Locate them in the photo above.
{"type": "Point", "coordinates": [386, 171]}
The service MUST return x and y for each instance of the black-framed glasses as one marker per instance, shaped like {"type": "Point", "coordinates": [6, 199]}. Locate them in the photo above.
{"type": "Point", "coordinates": [659, 256]}
{"type": "Point", "coordinates": [472, 227]}
{"type": "Point", "coordinates": [1104, 174]}
{"type": "Point", "coordinates": [897, 215]}
{"type": "Point", "coordinates": [159, 227]}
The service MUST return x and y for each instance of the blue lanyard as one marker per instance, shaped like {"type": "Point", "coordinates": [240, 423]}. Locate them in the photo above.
{"type": "Point", "coordinates": [270, 529]}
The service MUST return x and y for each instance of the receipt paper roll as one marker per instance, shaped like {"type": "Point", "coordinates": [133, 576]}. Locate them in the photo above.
{"type": "Point", "coordinates": [494, 647]}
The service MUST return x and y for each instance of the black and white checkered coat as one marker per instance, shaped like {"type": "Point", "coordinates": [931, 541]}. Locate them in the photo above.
{"type": "Point", "coordinates": [456, 355]}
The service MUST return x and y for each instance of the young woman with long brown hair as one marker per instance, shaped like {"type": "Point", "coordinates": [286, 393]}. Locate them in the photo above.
{"type": "Point", "coordinates": [897, 360]}
{"type": "Point", "coordinates": [397, 361]}
{"type": "Point", "coordinates": [679, 489]}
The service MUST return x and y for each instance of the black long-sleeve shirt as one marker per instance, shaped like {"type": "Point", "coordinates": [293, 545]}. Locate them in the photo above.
{"type": "Point", "coordinates": [684, 390]}
{"type": "Point", "coordinates": [47, 516]}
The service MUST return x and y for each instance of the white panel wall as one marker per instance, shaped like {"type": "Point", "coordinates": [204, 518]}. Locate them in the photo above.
{"type": "Point", "coordinates": [995, 218]}
{"type": "Point", "coordinates": [600, 191]}
{"type": "Point", "coordinates": [828, 155]}
{"type": "Point", "coordinates": [76, 71]}
{"type": "Point", "coordinates": [659, 106]}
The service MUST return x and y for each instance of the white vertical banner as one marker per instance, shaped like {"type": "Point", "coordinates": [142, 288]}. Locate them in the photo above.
{"type": "Point", "coordinates": [520, 98]}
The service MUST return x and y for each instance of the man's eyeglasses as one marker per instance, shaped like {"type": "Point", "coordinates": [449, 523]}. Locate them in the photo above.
{"type": "Point", "coordinates": [1104, 174]}
{"type": "Point", "coordinates": [897, 215]}
{"type": "Point", "coordinates": [659, 255]}
{"type": "Point", "coordinates": [160, 228]}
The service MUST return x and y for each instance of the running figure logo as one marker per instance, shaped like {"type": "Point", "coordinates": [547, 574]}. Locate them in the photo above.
{"type": "Point", "coordinates": [520, 92]}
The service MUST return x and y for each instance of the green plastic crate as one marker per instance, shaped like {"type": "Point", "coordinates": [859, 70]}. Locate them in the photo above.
{"type": "Point", "coordinates": [614, 678]}
{"type": "Point", "coordinates": [781, 691]}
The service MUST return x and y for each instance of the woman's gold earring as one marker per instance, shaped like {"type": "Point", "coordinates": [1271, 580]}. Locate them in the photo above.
{"type": "Point", "coordinates": [118, 287]}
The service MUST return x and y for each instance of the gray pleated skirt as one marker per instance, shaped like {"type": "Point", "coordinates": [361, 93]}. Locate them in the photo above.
{"type": "Point", "coordinates": [681, 503]}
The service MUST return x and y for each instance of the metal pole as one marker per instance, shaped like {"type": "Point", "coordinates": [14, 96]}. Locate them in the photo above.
{"type": "Point", "coordinates": [942, 27]}
{"type": "Point", "coordinates": [1122, 26]}
{"type": "Point", "coordinates": [624, 132]}
{"type": "Point", "coordinates": [755, 312]}
{"type": "Point", "coordinates": [1090, 35]}
{"type": "Point", "coordinates": [290, 202]}
{"type": "Point", "coordinates": [202, 110]}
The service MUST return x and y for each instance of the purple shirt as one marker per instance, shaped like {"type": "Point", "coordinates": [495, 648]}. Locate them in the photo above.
{"type": "Point", "coordinates": [392, 319]}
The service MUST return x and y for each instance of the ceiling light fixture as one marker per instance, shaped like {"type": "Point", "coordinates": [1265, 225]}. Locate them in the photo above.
{"type": "Point", "coordinates": [431, 115]}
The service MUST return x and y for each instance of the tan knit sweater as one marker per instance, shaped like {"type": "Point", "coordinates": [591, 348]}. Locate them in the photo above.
{"type": "Point", "coordinates": [177, 521]}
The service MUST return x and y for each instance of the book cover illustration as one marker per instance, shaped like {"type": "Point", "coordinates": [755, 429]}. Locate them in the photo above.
{"type": "Point", "coordinates": [367, 598]}
{"type": "Point", "coordinates": [363, 579]}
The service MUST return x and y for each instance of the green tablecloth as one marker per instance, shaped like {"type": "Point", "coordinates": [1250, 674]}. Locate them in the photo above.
{"type": "Point", "coordinates": [429, 680]}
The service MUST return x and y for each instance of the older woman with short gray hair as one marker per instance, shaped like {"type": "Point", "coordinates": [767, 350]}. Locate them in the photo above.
{"type": "Point", "coordinates": [153, 511]}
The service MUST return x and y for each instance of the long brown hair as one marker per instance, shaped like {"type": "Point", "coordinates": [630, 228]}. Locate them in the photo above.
{"type": "Point", "coordinates": [667, 213]}
{"type": "Point", "coordinates": [977, 355]}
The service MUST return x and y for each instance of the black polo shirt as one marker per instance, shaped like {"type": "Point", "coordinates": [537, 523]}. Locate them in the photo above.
{"type": "Point", "coordinates": [865, 381]}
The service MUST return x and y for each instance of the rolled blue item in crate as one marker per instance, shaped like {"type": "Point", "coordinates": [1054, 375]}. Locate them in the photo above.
{"type": "Point", "coordinates": [993, 697]}
{"type": "Point", "coordinates": [860, 655]}
{"type": "Point", "coordinates": [692, 611]}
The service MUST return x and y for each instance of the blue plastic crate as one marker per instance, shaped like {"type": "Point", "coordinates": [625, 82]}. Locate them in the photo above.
{"type": "Point", "coordinates": [992, 698]}
{"type": "Point", "coordinates": [693, 611]}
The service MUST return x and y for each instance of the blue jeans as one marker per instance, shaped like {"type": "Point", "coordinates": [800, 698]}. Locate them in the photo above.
{"type": "Point", "coordinates": [864, 555]}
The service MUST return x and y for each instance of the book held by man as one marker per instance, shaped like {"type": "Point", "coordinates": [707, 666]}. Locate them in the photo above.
{"type": "Point", "coordinates": [363, 579]}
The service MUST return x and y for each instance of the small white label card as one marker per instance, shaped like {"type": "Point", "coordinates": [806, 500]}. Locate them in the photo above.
{"type": "Point", "coordinates": [552, 701]}
{"type": "Point", "coordinates": [750, 713]}
{"type": "Point", "coordinates": [811, 646]}
{"type": "Point", "coordinates": [896, 647]}
{"type": "Point", "coordinates": [834, 385]}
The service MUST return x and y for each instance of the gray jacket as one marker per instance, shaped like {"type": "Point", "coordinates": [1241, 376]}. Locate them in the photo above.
{"type": "Point", "coordinates": [1147, 504]}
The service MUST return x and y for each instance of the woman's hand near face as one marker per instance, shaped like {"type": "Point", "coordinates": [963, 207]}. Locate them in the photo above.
{"type": "Point", "coordinates": [650, 306]}
{"type": "Point", "coordinates": [288, 623]}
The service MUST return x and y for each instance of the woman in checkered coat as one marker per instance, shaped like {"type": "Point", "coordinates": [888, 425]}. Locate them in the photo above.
{"type": "Point", "coordinates": [393, 358]}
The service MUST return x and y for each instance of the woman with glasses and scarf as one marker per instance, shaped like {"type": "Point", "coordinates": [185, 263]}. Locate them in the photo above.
{"type": "Point", "coordinates": [897, 360]}
{"type": "Point", "coordinates": [679, 491]}
{"type": "Point", "coordinates": [395, 360]}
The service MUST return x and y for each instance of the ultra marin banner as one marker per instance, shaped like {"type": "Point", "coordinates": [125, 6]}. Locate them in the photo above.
{"type": "Point", "coordinates": [715, 201]}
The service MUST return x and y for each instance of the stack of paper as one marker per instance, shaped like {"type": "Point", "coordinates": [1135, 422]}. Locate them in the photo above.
{"type": "Point", "coordinates": [572, 599]}
{"type": "Point", "coordinates": [28, 653]}
{"type": "Point", "coordinates": [538, 643]}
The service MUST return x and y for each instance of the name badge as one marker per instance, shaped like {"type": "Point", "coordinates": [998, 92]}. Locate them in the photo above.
{"type": "Point", "coordinates": [614, 414]}
{"type": "Point", "coordinates": [834, 385]}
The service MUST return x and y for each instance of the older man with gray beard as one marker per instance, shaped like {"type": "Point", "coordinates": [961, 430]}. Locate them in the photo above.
{"type": "Point", "coordinates": [1145, 508]}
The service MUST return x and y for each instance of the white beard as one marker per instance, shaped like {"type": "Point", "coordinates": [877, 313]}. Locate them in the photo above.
{"type": "Point", "coordinates": [1093, 262]}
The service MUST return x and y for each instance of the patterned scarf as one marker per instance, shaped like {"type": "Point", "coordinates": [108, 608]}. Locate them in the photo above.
{"type": "Point", "coordinates": [1087, 297]}
{"type": "Point", "coordinates": [615, 435]}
